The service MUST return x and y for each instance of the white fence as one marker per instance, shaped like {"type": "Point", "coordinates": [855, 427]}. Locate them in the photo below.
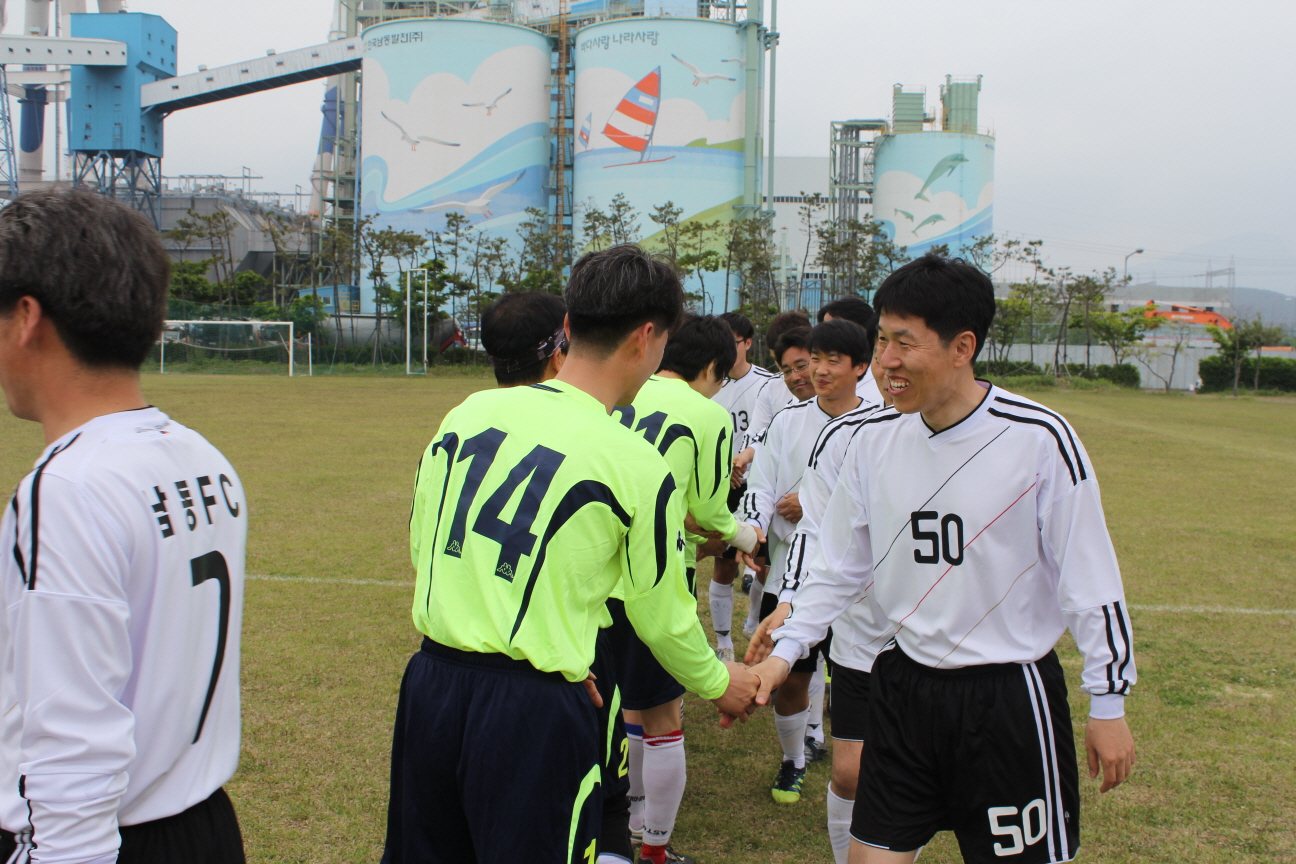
{"type": "Point", "coordinates": [1157, 357]}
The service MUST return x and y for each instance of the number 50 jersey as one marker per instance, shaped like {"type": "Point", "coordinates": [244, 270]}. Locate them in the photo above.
{"type": "Point", "coordinates": [122, 579]}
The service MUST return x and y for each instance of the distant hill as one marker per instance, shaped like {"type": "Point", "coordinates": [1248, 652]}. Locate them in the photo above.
{"type": "Point", "coordinates": [1274, 307]}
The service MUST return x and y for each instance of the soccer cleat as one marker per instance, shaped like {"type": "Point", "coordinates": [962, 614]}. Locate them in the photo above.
{"type": "Point", "coordinates": [787, 786]}
{"type": "Point", "coordinates": [814, 750]}
{"type": "Point", "coordinates": [672, 857]}
{"type": "Point", "coordinates": [726, 655]}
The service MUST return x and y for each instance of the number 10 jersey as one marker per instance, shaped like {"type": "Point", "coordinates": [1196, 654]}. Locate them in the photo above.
{"type": "Point", "coordinates": [122, 579]}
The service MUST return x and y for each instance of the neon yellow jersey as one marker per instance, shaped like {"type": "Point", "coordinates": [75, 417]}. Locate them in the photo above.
{"type": "Point", "coordinates": [694, 435]}
{"type": "Point", "coordinates": [530, 507]}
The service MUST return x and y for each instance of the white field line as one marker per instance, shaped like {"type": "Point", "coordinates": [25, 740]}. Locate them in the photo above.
{"type": "Point", "coordinates": [392, 583]}
{"type": "Point", "coordinates": [1212, 610]}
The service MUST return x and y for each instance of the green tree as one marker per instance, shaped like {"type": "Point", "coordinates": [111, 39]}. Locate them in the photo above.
{"type": "Point", "coordinates": [1011, 316]}
{"type": "Point", "coordinates": [1122, 331]}
{"type": "Point", "coordinates": [308, 316]}
{"type": "Point", "coordinates": [698, 257]}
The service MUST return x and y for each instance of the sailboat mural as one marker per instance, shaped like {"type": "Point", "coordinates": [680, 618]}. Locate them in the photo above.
{"type": "Point", "coordinates": [635, 118]}
{"type": "Point", "coordinates": [585, 130]}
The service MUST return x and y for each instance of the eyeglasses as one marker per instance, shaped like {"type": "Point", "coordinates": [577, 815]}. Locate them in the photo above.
{"type": "Point", "coordinates": [797, 369]}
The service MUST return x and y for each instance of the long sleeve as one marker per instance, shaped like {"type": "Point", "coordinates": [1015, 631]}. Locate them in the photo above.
{"type": "Point", "coordinates": [708, 500]}
{"type": "Point", "coordinates": [840, 570]}
{"type": "Point", "coordinates": [1090, 592]}
{"type": "Point", "coordinates": [815, 491]}
{"type": "Point", "coordinates": [657, 600]}
{"type": "Point", "coordinates": [760, 499]}
{"type": "Point", "coordinates": [772, 396]}
{"type": "Point", "coordinates": [430, 483]}
{"type": "Point", "coordinates": [72, 661]}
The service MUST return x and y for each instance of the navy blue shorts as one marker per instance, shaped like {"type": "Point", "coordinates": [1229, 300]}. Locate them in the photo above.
{"type": "Point", "coordinates": [644, 682]}
{"type": "Point", "coordinates": [493, 761]}
{"type": "Point", "coordinates": [614, 838]}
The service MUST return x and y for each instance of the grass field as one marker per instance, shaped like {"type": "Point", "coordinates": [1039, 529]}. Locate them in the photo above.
{"type": "Point", "coordinates": [1198, 497]}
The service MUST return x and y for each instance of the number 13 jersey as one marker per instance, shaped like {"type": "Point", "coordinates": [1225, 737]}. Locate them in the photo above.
{"type": "Point", "coordinates": [122, 578]}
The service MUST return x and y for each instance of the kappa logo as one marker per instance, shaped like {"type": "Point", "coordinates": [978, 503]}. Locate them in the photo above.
{"type": "Point", "coordinates": [505, 570]}
{"type": "Point", "coordinates": [453, 547]}
{"type": "Point", "coordinates": [679, 541]}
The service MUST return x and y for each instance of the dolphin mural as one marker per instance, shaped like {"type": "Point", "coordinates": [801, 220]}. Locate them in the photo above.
{"type": "Point", "coordinates": [930, 220]}
{"type": "Point", "coordinates": [904, 213]}
{"type": "Point", "coordinates": [943, 167]}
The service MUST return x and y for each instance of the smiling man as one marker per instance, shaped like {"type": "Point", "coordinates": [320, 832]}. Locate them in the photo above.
{"type": "Point", "coordinates": [833, 356]}
{"type": "Point", "coordinates": [972, 517]}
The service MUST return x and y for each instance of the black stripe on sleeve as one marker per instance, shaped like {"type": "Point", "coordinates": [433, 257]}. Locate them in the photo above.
{"type": "Point", "coordinates": [831, 429]}
{"type": "Point", "coordinates": [1035, 421]}
{"type": "Point", "coordinates": [35, 510]}
{"type": "Point", "coordinates": [1111, 644]}
{"type": "Point", "coordinates": [660, 527]}
{"type": "Point", "coordinates": [17, 549]}
{"type": "Point", "coordinates": [449, 443]}
{"type": "Point", "coordinates": [1129, 652]}
{"type": "Point", "coordinates": [720, 472]}
{"type": "Point", "coordinates": [583, 493]}
{"type": "Point", "coordinates": [1065, 428]}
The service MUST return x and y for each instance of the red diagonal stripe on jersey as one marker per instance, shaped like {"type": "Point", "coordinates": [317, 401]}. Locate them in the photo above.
{"type": "Point", "coordinates": [969, 543]}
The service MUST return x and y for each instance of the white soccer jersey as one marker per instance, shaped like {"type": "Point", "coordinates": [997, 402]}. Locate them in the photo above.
{"type": "Point", "coordinates": [780, 462]}
{"type": "Point", "coordinates": [123, 596]}
{"type": "Point", "coordinates": [772, 397]}
{"type": "Point", "coordinates": [738, 397]}
{"type": "Point", "coordinates": [856, 631]}
{"type": "Point", "coordinates": [867, 388]}
{"type": "Point", "coordinates": [982, 543]}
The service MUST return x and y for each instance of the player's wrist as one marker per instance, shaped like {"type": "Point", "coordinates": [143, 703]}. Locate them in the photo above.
{"type": "Point", "coordinates": [789, 651]}
{"type": "Point", "coordinates": [1106, 706]}
{"type": "Point", "coordinates": [745, 538]}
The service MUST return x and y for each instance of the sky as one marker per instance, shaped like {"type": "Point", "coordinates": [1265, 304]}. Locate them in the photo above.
{"type": "Point", "coordinates": [1119, 125]}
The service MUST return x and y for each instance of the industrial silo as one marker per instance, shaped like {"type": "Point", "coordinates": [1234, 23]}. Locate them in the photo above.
{"type": "Point", "coordinates": [935, 187]}
{"type": "Point", "coordinates": [660, 116]}
{"type": "Point", "coordinates": [455, 119]}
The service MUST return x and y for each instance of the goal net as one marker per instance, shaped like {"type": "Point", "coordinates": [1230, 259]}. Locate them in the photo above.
{"type": "Point", "coordinates": [235, 347]}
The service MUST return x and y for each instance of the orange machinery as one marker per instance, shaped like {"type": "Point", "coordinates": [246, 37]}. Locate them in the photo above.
{"type": "Point", "coordinates": [1189, 315]}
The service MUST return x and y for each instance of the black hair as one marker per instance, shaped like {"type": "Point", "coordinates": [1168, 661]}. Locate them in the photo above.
{"type": "Point", "coordinates": [616, 290]}
{"type": "Point", "coordinates": [740, 325]}
{"type": "Point", "coordinates": [853, 308]}
{"type": "Point", "coordinates": [781, 323]}
{"type": "Point", "coordinates": [96, 267]}
{"type": "Point", "coordinates": [797, 337]}
{"type": "Point", "coordinates": [699, 341]}
{"type": "Point", "coordinates": [844, 337]}
{"type": "Point", "coordinates": [950, 295]}
{"type": "Point", "coordinates": [521, 331]}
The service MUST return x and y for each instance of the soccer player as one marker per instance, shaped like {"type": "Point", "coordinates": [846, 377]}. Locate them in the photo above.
{"type": "Point", "coordinates": [673, 411]}
{"type": "Point", "coordinates": [838, 354]}
{"type": "Point", "coordinates": [530, 507]}
{"type": "Point", "coordinates": [738, 397]}
{"type": "Point", "coordinates": [524, 336]}
{"type": "Point", "coordinates": [855, 309]}
{"type": "Point", "coordinates": [123, 586]}
{"type": "Point", "coordinates": [973, 517]}
{"type": "Point", "coordinates": [773, 396]}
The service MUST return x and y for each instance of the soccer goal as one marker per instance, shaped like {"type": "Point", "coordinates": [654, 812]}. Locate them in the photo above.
{"type": "Point", "coordinates": [264, 347]}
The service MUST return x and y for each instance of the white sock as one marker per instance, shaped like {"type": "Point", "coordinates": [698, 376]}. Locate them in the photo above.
{"type": "Point", "coordinates": [722, 613]}
{"type": "Point", "coordinates": [814, 725]}
{"type": "Point", "coordinates": [791, 732]}
{"type": "Point", "coordinates": [664, 775]}
{"type": "Point", "coordinates": [753, 611]}
{"type": "Point", "coordinates": [634, 738]}
{"type": "Point", "coordinates": [839, 820]}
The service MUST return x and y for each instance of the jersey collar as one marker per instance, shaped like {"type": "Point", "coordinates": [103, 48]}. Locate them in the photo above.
{"type": "Point", "coordinates": [148, 417]}
{"type": "Point", "coordinates": [573, 392]}
{"type": "Point", "coordinates": [967, 423]}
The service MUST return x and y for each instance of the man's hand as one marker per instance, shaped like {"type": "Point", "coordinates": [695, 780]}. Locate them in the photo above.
{"type": "Point", "coordinates": [739, 697]}
{"type": "Point", "coordinates": [749, 558]}
{"type": "Point", "coordinates": [740, 463]}
{"type": "Point", "coordinates": [1110, 745]}
{"type": "Point", "coordinates": [772, 673]}
{"type": "Point", "coordinates": [761, 642]}
{"type": "Point", "coordinates": [692, 527]}
{"type": "Point", "coordinates": [712, 549]}
{"type": "Point", "coordinates": [591, 690]}
{"type": "Point", "coordinates": [789, 507]}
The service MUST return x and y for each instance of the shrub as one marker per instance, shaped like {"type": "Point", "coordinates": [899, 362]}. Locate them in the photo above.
{"type": "Point", "coordinates": [1276, 373]}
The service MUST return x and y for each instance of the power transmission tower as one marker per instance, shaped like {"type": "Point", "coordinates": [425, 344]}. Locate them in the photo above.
{"type": "Point", "coordinates": [8, 160]}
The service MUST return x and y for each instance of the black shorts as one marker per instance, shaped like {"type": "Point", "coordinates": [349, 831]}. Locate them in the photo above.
{"type": "Point", "coordinates": [644, 682]}
{"type": "Point", "coordinates": [614, 838]}
{"type": "Point", "coordinates": [206, 833]}
{"type": "Point", "coordinates": [850, 698]}
{"type": "Point", "coordinates": [984, 751]}
{"type": "Point", "coordinates": [809, 663]}
{"type": "Point", "coordinates": [491, 756]}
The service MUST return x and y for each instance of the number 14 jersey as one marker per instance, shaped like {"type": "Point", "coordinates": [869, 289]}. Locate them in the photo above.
{"type": "Point", "coordinates": [122, 579]}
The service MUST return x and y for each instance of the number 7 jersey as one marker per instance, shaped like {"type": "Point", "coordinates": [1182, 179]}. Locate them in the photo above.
{"type": "Point", "coordinates": [530, 507]}
{"type": "Point", "coordinates": [122, 578]}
